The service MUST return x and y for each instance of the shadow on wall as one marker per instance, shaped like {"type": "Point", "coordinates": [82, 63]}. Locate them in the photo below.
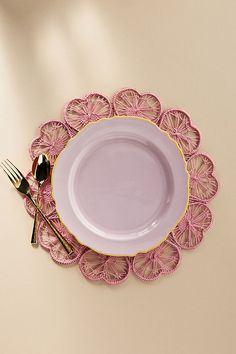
{"type": "Point", "coordinates": [55, 51]}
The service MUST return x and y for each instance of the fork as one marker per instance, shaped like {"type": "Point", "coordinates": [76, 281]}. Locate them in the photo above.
{"type": "Point", "coordinates": [22, 185]}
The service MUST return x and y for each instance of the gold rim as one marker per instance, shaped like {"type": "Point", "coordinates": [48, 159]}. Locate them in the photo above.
{"type": "Point", "coordinates": [172, 228]}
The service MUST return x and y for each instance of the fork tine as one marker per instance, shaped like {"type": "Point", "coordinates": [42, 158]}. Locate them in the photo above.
{"type": "Point", "coordinates": [10, 176]}
{"type": "Point", "coordinates": [14, 168]}
{"type": "Point", "coordinates": [10, 170]}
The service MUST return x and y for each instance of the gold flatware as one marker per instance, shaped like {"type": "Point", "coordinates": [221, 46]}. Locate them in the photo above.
{"type": "Point", "coordinates": [41, 171]}
{"type": "Point", "coordinates": [22, 185]}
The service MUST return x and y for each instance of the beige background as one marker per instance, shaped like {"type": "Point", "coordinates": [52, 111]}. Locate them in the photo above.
{"type": "Point", "coordinates": [52, 51]}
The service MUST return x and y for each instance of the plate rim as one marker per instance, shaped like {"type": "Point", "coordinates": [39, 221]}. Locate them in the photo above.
{"type": "Point", "coordinates": [172, 228]}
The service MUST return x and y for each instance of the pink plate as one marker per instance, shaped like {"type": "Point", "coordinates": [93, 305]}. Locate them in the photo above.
{"type": "Point", "coordinates": [121, 185]}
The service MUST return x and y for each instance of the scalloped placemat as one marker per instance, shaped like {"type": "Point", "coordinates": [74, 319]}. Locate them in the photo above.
{"type": "Point", "coordinates": [188, 234]}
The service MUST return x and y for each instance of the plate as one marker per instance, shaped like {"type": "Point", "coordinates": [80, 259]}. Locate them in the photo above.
{"type": "Point", "coordinates": [120, 185]}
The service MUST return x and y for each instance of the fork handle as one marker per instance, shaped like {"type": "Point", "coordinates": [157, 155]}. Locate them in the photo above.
{"type": "Point", "coordinates": [64, 243]}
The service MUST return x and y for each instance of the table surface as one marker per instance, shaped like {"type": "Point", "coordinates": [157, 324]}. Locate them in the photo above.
{"type": "Point", "coordinates": [52, 51]}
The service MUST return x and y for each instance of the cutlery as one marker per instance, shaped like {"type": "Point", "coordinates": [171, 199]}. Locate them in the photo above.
{"type": "Point", "coordinates": [41, 171]}
{"type": "Point", "coordinates": [22, 185]}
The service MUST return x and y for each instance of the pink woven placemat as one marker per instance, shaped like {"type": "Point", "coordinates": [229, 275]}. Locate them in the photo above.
{"type": "Point", "coordinates": [188, 234]}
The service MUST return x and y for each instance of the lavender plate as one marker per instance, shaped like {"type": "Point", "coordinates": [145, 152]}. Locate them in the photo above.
{"type": "Point", "coordinates": [121, 185]}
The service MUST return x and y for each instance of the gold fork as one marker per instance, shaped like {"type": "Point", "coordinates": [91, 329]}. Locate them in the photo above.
{"type": "Point", "coordinates": [22, 185]}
